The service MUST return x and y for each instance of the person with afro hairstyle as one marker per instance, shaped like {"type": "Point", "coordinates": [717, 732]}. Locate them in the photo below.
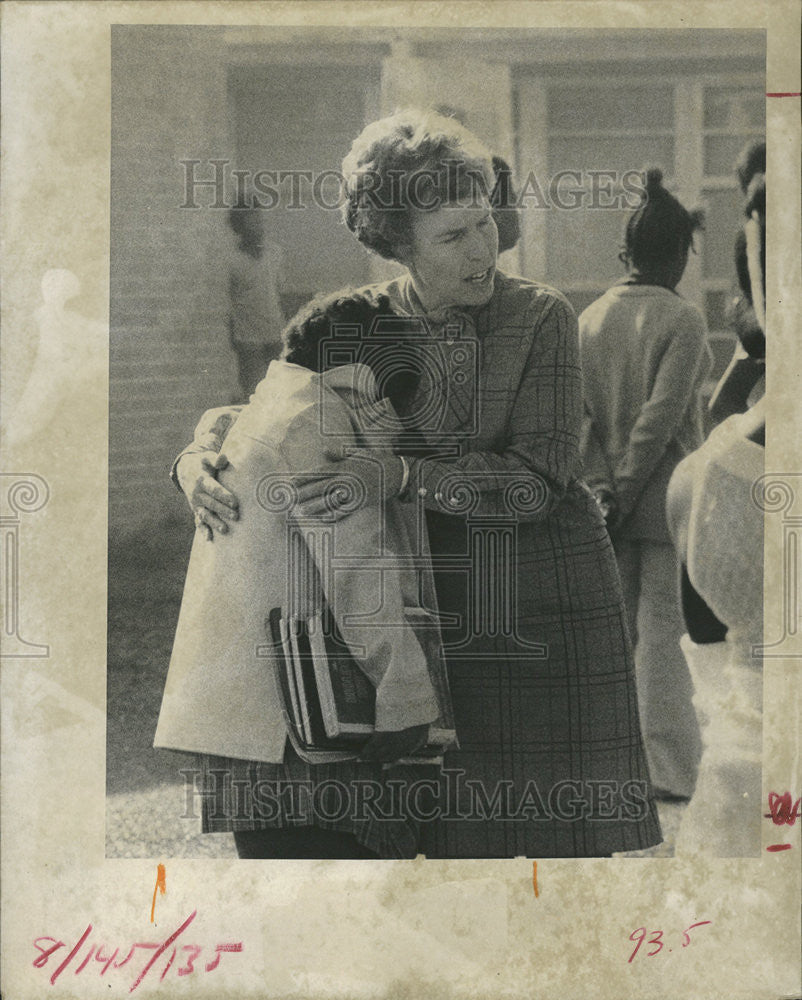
{"type": "Point", "coordinates": [645, 357]}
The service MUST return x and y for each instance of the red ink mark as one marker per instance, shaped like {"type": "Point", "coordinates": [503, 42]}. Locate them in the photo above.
{"type": "Point", "coordinates": [657, 939]}
{"type": "Point", "coordinates": [783, 811]}
{"type": "Point", "coordinates": [100, 957]}
{"type": "Point", "coordinates": [534, 879]}
{"type": "Point", "coordinates": [779, 847]}
{"type": "Point", "coordinates": [71, 955]}
{"type": "Point", "coordinates": [87, 960]}
{"type": "Point", "coordinates": [220, 949]}
{"type": "Point", "coordinates": [789, 94]}
{"type": "Point", "coordinates": [167, 967]}
{"type": "Point", "coordinates": [161, 886]}
{"type": "Point", "coordinates": [103, 958]}
{"type": "Point", "coordinates": [161, 949]}
{"type": "Point", "coordinates": [41, 961]}
{"type": "Point", "coordinates": [687, 940]}
{"type": "Point", "coordinates": [642, 932]}
{"type": "Point", "coordinates": [189, 967]}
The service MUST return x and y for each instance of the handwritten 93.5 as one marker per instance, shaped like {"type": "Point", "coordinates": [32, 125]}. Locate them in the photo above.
{"type": "Point", "coordinates": [101, 958]}
{"type": "Point", "coordinates": [656, 939]}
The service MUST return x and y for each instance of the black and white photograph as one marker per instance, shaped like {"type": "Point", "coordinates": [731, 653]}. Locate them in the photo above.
{"type": "Point", "coordinates": [416, 341]}
{"type": "Point", "coordinates": [400, 499]}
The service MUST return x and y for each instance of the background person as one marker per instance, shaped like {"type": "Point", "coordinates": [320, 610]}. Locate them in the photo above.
{"type": "Point", "coordinates": [255, 277]}
{"type": "Point", "coordinates": [644, 358]}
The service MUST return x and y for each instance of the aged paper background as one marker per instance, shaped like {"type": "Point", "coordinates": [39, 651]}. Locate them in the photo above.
{"type": "Point", "coordinates": [338, 929]}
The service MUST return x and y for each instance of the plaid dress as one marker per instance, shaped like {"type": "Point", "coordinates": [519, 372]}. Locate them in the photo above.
{"type": "Point", "coordinates": [551, 760]}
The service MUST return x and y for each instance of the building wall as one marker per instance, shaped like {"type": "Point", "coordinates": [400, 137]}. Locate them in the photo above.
{"type": "Point", "coordinates": [169, 352]}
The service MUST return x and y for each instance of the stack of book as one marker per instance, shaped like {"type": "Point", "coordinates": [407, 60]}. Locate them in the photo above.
{"type": "Point", "coordinates": [329, 704]}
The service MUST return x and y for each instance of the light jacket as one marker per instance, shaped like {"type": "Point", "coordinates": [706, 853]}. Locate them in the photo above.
{"type": "Point", "coordinates": [220, 695]}
{"type": "Point", "coordinates": [644, 358]}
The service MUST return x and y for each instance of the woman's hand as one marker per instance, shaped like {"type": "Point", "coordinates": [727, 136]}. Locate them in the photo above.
{"type": "Point", "coordinates": [386, 748]}
{"type": "Point", "coordinates": [211, 503]}
{"type": "Point", "coordinates": [365, 479]}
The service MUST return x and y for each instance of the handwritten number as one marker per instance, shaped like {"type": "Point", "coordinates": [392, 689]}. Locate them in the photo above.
{"type": "Point", "coordinates": [220, 949]}
{"type": "Point", "coordinates": [189, 967]}
{"type": "Point", "coordinates": [658, 941]}
{"type": "Point", "coordinates": [642, 932]}
{"type": "Point", "coordinates": [100, 957]}
{"type": "Point", "coordinates": [687, 940]}
{"type": "Point", "coordinates": [41, 961]}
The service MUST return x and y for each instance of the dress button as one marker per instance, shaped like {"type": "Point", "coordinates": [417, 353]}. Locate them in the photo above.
{"type": "Point", "coordinates": [454, 502]}
{"type": "Point", "coordinates": [438, 497]}
{"type": "Point", "coordinates": [450, 343]}
{"type": "Point", "coordinates": [422, 492]}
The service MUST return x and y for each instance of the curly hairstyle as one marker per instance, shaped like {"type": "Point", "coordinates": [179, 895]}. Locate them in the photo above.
{"type": "Point", "coordinates": [412, 160]}
{"type": "Point", "coordinates": [661, 228]}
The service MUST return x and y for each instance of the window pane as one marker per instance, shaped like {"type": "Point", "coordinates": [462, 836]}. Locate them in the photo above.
{"type": "Point", "coordinates": [723, 219]}
{"type": "Point", "coordinates": [612, 153]}
{"type": "Point", "coordinates": [721, 152]}
{"type": "Point", "coordinates": [591, 106]}
{"type": "Point", "coordinates": [735, 109]}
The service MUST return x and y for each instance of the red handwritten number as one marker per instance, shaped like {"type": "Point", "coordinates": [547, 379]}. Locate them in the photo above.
{"type": "Point", "coordinates": [189, 967]}
{"type": "Point", "coordinates": [658, 941]}
{"type": "Point", "coordinates": [100, 957]}
{"type": "Point", "coordinates": [687, 940]}
{"type": "Point", "coordinates": [642, 932]}
{"type": "Point", "coordinates": [220, 949]}
{"type": "Point", "coordinates": [41, 961]}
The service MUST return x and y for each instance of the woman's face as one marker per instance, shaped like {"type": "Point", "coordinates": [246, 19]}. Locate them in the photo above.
{"type": "Point", "coordinates": [452, 260]}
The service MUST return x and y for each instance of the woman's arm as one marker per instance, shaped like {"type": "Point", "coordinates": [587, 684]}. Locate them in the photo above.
{"type": "Point", "coordinates": [661, 415]}
{"type": "Point", "coordinates": [540, 456]}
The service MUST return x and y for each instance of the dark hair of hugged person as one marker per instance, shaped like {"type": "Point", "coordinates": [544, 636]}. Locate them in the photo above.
{"type": "Point", "coordinates": [358, 313]}
{"type": "Point", "coordinates": [412, 160]}
{"type": "Point", "coordinates": [660, 229]}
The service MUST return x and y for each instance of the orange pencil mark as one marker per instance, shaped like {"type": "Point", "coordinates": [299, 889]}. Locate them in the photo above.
{"type": "Point", "coordinates": [534, 879]}
{"type": "Point", "coordinates": [161, 886]}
